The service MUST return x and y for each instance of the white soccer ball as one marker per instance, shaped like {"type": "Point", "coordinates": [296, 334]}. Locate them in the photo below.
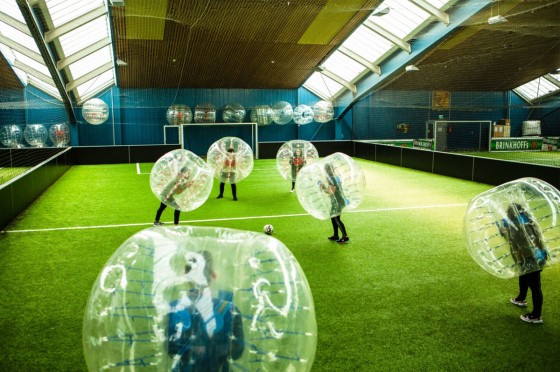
{"type": "Point", "coordinates": [268, 229]}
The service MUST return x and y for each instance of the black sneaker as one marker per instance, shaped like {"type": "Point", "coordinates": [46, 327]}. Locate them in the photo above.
{"type": "Point", "coordinates": [235, 198]}
{"type": "Point", "coordinates": [530, 318]}
{"type": "Point", "coordinates": [344, 240]}
{"type": "Point", "coordinates": [220, 196]}
{"type": "Point", "coordinates": [157, 223]}
{"type": "Point", "coordinates": [334, 238]}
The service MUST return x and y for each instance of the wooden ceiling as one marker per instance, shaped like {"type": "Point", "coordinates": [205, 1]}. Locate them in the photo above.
{"type": "Point", "coordinates": [273, 44]}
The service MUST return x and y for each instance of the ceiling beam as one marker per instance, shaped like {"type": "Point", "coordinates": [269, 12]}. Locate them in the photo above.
{"type": "Point", "coordinates": [424, 5]}
{"type": "Point", "coordinates": [387, 35]}
{"type": "Point", "coordinates": [75, 23]}
{"type": "Point", "coordinates": [65, 62]}
{"type": "Point", "coordinates": [48, 59]}
{"type": "Point", "coordinates": [31, 71]}
{"type": "Point", "coordinates": [339, 80]}
{"type": "Point", "coordinates": [22, 27]}
{"type": "Point", "coordinates": [90, 75]}
{"type": "Point", "coordinates": [358, 58]}
{"type": "Point", "coordinates": [23, 50]}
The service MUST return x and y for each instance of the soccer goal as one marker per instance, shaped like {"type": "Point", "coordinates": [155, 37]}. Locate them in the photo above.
{"type": "Point", "coordinates": [198, 137]}
{"type": "Point", "coordinates": [460, 135]}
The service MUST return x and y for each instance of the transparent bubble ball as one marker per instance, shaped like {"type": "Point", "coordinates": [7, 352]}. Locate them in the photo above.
{"type": "Point", "coordinates": [323, 111]}
{"type": "Point", "coordinates": [59, 134]}
{"type": "Point", "coordinates": [504, 225]}
{"type": "Point", "coordinates": [36, 135]}
{"type": "Point", "coordinates": [330, 185]}
{"type": "Point", "coordinates": [11, 136]}
{"type": "Point", "coordinates": [303, 114]}
{"type": "Point", "coordinates": [233, 113]}
{"type": "Point", "coordinates": [213, 298]}
{"type": "Point", "coordinates": [262, 115]}
{"type": "Point", "coordinates": [231, 159]}
{"type": "Point", "coordinates": [181, 180]}
{"type": "Point", "coordinates": [293, 155]}
{"type": "Point", "coordinates": [95, 111]}
{"type": "Point", "coordinates": [282, 112]}
{"type": "Point", "coordinates": [205, 113]}
{"type": "Point", "coordinates": [179, 114]}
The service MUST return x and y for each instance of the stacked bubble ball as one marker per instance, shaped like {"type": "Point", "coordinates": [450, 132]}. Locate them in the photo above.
{"type": "Point", "coordinates": [330, 185]}
{"type": "Point", "coordinates": [293, 155]}
{"type": "Point", "coordinates": [282, 112]}
{"type": "Point", "coordinates": [179, 114]}
{"type": "Point", "coordinates": [11, 136]}
{"type": "Point", "coordinates": [59, 134]}
{"type": "Point", "coordinates": [95, 111]}
{"type": "Point", "coordinates": [36, 135]}
{"type": "Point", "coordinates": [201, 299]}
{"type": "Point", "coordinates": [205, 113]}
{"type": "Point", "coordinates": [323, 112]}
{"type": "Point", "coordinates": [181, 180]}
{"type": "Point", "coordinates": [262, 115]}
{"type": "Point", "coordinates": [514, 228]}
{"type": "Point", "coordinates": [233, 113]}
{"type": "Point", "coordinates": [303, 114]}
{"type": "Point", "coordinates": [231, 159]}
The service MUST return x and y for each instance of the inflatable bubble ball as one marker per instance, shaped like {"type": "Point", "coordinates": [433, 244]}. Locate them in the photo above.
{"type": "Point", "coordinates": [323, 111]}
{"type": "Point", "coordinates": [330, 185]}
{"type": "Point", "coordinates": [231, 159]}
{"type": "Point", "coordinates": [262, 115]}
{"type": "Point", "coordinates": [303, 114]}
{"type": "Point", "coordinates": [59, 134]}
{"type": "Point", "coordinates": [181, 180]}
{"type": "Point", "coordinates": [95, 111]}
{"type": "Point", "coordinates": [190, 298]}
{"type": "Point", "coordinates": [282, 112]}
{"type": "Point", "coordinates": [179, 114]}
{"type": "Point", "coordinates": [36, 135]}
{"type": "Point", "coordinates": [11, 136]}
{"type": "Point", "coordinates": [293, 155]}
{"type": "Point", "coordinates": [233, 113]}
{"type": "Point", "coordinates": [514, 229]}
{"type": "Point", "coordinates": [205, 113]}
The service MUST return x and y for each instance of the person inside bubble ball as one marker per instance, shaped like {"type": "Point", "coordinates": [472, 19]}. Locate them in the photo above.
{"type": "Point", "coordinates": [204, 333]}
{"type": "Point", "coordinates": [228, 173]}
{"type": "Point", "coordinates": [338, 202]}
{"type": "Point", "coordinates": [170, 191]}
{"type": "Point", "coordinates": [529, 253]}
{"type": "Point", "coordinates": [297, 162]}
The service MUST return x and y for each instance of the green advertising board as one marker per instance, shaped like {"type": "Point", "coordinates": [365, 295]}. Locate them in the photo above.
{"type": "Point", "coordinates": [517, 144]}
{"type": "Point", "coordinates": [425, 143]}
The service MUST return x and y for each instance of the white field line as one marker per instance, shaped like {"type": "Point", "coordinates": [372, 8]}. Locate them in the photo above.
{"type": "Point", "coordinates": [232, 218]}
{"type": "Point", "coordinates": [138, 168]}
{"type": "Point", "coordinates": [139, 172]}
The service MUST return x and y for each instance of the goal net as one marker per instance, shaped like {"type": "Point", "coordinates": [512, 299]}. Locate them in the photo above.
{"type": "Point", "coordinates": [460, 135]}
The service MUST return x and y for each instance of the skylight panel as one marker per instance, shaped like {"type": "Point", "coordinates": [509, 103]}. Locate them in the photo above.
{"type": "Point", "coordinates": [323, 85]}
{"type": "Point", "coordinates": [31, 63]}
{"type": "Point", "coordinates": [64, 11]}
{"type": "Point", "coordinates": [8, 53]}
{"type": "Point", "coordinates": [92, 86]}
{"type": "Point", "coordinates": [23, 77]}
{"type": "Point", "coordinates": [91, 62]}
{"type": "Point", "coordinates": [48, 88]}
{"type": "Point", "coordinates": [18, 37]}
{"type": "Point", "coordinates": [343, 66]}
{"type": "Point", "coordinates": [367, 44]}
{"type": "Point", "coordinates": [11, 8]}
{"type": "Point", "coordinates": [84, 36]}
{"type": "Point", "coordinates": [402, 18]}
{"type": "Point", "coordinates": [536, 88]}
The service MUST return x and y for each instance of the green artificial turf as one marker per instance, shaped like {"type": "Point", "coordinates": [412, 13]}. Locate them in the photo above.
{"type": "Point", "coordinates": [403, 295]}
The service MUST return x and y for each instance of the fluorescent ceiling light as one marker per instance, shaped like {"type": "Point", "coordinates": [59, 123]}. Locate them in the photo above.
{"type": "Point", "coordinates": [496, 19]}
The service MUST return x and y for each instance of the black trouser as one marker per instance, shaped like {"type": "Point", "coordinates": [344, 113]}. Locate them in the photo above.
{"type": "Point", "coordinates": [160, 210]}
{"type": "Point", "coordinates": [533, 281]}
{"type": "Point", "coordinates": [233, 189]}
{"type": "Point", "coordinates": [337, 224]}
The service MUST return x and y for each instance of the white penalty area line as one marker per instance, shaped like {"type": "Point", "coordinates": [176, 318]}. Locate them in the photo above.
{"type": "Point", "coordinates": [230, 219]}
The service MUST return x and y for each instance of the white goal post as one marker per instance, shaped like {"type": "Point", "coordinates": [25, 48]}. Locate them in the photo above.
{"type": "Point", "coordinates": [460, 135]}
{"type": "Point", "coordinates": [254, 132]}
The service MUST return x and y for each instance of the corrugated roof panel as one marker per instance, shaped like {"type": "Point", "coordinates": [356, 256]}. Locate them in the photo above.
{"type": "Point", "coordinates": [367, 44]}
{"type": "Point", "coordinates": [64, 11]}
{"type": "Point", "coordinates": [84, 36]}
{"type": "Point", "coordinates": [343, 66]}
{"type": "Point", "coordinates": [91, 62]}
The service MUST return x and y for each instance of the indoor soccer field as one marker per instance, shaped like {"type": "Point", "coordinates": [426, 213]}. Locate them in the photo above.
{"type": "Point", "coordinates": [404, 294]}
